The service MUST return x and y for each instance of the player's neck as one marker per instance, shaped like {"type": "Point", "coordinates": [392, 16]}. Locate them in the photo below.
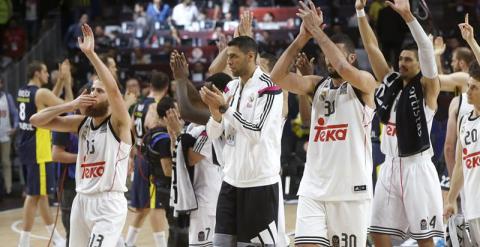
{"type": "Point", "coordinates": [476, 110]}
{"type": "Point", "coordinates": [35, 82]}
{"type": "Point", "coordinates": [99, 120]}
{"type": "Point", "coordinates": [249, 73]}
{"type": "Point", "coordinates": [337, 81]}
{"type": "Point", "coordinates": [157, 95]}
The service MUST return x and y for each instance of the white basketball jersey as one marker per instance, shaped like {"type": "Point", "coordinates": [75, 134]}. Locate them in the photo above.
{"type": "Point", "coordinates": [102, 160]}
{"type": "Point", "coordinates": [464, 107]}
{"type": "Point", "coordinates": [339, 155]}
{"type": "Point", "coordinates": [207, 178]}
{"type": "Point", "coordinates": [389, 145]}
{"type": "Point", "coordinates": [469, 134]}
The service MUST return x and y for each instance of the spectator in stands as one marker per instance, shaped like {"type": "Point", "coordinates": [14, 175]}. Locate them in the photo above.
{"type": "Point", "coordinates": [8, 125]}
{"type": "Point", "coordinates": [143, 23]}
{"type": "Point", "coordinates": [31, 18]}
{"type": "Point", "coordinates": [185, 13]}
{"type": "Point", "coordinates": [158, 11]}
{"type": "Point", "coordinates": [75, 31]}
{"type": "Point", "coordinates": [15, 40]}
{"type": "Point", "coordinates": [268, 17]}
{"type": "Point", "coordinates": [102, 41]}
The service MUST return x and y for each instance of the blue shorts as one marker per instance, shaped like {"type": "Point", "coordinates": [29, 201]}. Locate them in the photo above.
{"type": "Point", "coordinates": [41, 178]}
{"type": "Point", "coordinates": [140, 190]}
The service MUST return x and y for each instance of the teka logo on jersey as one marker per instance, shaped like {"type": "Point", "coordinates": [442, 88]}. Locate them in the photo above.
{"type": "Point", "coordinates": [93, 170]}
{"type": "Point", "coordinates": [326, 133]}
{"type": "Point", "coordinates": [471, 160]}
{"type": "Point", "coordinates": [391, 129]}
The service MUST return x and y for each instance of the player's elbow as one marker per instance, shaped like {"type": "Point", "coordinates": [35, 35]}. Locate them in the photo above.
{"type": "Point", "coordinates": [35, 120]}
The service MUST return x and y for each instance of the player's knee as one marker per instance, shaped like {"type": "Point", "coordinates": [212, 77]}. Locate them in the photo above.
{"type": "Point", "coordinates": [428, 242]}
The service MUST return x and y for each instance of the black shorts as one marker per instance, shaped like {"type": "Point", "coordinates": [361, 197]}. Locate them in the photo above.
{"type": "Point", "coordinates": [247, 216]}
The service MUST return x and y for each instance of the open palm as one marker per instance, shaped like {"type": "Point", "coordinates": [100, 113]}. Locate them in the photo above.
{"type": "Point", "coordinates": [87, 45]}
{"type": "Point", "coordinates": [400, 6]}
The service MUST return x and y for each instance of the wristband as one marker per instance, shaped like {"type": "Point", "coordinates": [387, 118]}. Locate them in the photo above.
{"type": "Point", "coordinates": [361, 13]}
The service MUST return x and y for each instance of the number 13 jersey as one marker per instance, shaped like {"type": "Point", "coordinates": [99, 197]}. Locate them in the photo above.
{"type": "Point", "coordinates": [102, 160]}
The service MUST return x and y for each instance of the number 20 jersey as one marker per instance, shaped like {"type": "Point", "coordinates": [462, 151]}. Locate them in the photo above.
{"type": "Point", "coordinates": [339, 155]}
{"type": "Point", "coordinates": [469, 132]}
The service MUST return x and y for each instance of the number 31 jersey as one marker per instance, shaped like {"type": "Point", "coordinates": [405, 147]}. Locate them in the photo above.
{"type": "Point", "coordinates": [339, 155]}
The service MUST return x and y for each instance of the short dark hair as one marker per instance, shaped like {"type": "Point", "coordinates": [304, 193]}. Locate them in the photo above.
{"type": "Point", "coordinates": [159, 80]}
{"type": "Point", "coordinates": [411, 47]}
{"type": "Point", "coordinates": [245, 44]}
{"type": "Point", "coordinates": [272, 59]}
{"type": "Point", "coordinates": [474, 70]}
{"type": "Point", "coordinates": [165, 104]}
{"type": "Point", "coordinates": [220, 80]}
{"type": "Point", "coordinates": [465, 54]}
{"type": "Point", "coordinates": [35, 66]}
{"type": "Point", "coordinates": [345, 40]}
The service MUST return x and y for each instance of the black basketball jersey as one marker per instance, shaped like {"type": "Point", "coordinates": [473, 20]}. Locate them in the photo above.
{"type": "Point", "coordinates": [139, 113]}
{"type": "Point", "coordinates": [26, 108]}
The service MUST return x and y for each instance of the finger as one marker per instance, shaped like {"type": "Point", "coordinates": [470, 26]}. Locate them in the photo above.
{"type": "Point", "coordinates": [312, 60]}
{"type": "Point", "coordinates": [312, 6]}
{"type": "Point", "coordinates": [390, 4]}
{"type": "Point", "coordinates": [302, 4]}
{"type": "Point", "coordinates": [466, 18]}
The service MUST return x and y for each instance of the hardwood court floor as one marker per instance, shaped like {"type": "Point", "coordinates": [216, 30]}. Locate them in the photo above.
{"type": "Point", "coordinates": [10, 225]}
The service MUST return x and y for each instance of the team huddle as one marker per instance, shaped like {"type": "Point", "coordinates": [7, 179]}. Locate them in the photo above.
{"type": "Point", "coordinates": [206, 167]}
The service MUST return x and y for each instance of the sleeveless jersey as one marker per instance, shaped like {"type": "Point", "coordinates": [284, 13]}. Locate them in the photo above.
{"type": "Point", "coordinates": [469, 134]}
{"type": "Point", "coordinates": [35, 143]}
{"type": "Point", "coordinates": [339, 155]}
{"type": "Point", "coordinates": [139, 113]}
{"type": "Point", "coordinates": [389, 145]}
{"type": "Point", "coordinates": [102, 160]}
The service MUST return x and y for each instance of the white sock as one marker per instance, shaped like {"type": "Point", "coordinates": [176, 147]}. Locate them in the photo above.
{"type": "Point", "coordinates": [160, 240]}
{"type": "Point", "coordinates": [132, 235]}
{"type": "Point", "coordinates": [121, 242]}
{"type": "Point", "coordinates": [24, 240]}
{"type": "Point", "coordinates": [56, 235]}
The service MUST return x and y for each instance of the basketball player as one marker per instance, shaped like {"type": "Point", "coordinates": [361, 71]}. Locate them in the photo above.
{"type": "Point", "coordinates": [407, 194]}
{"type": "Point", "coordinates": [142, 198]}
{"type": "Point", "coordinates": [35, 144]}
{"type": "Point", "coordinates": [197, 155]}
{"type": "Point", "coordinates": [251, 124]}
{"type": "Point", "coordinates": [99, 209]}
{"type": "Point", "coordinates": [334, 199]}
{"type": "Point", "coordinates": [466, 171]}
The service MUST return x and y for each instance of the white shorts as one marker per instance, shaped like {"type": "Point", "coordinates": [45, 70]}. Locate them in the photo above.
{"type": "Point", "coordinates": [342, 223]}
{"type": "Point", "coordinates": [474, 229]}
{"type": "Point", "coordinates": [202, 227]}
{"type": "Point", "coordinates": [97, 220]}
{"type": "Point", "coordinates": [408, 198]}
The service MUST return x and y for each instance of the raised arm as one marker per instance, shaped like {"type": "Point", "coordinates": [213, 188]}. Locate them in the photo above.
{"type": "Point", "coordinates": [49, 118]}
{"type": "Point", "coordinates": [375, 57]}
{"type": "Point", "coordinates": [188, 111]}
{"type": "Point", "coordinates": [120, 117]}
{"type": "Point", "coordinates": [219, 64]}
{"type": "Point", "coordinates": [454, 82]}
{"type": "Point", "coordinates": [438, 48]}
{"type": "Point", "coordinates": [293, 82]}
{"type": "Point", "coordinates": [313, 19]}
{"type": "Point", "coordinates": [468, 35]}
{"type": "Point", "coordinates": [426, 56]}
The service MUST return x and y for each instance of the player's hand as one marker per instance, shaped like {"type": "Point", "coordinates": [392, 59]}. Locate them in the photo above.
{"type": "Point", "coordinates": [360, 4]}
{"type": "Point", "coordinates": [83, 101]}
{"type": "Point", "coordinates": [130, 98]}
{"type": "Point", "coordinates": [87, 44]}
{"type": "Point", "coordinates": [304, 65]}
{"type": "Point", "coordinates": [439, 46]}
{"type": "Point", "coordinates": [222, 42]}
{"type": "Point", "coordinates": [449, 209]}
{"type": "Point", "coordinates": [173, 122]}
{"type": "Point", "coordinates": [213, 97]}
{"type": "Point", "coordinates": [65, 73]}
{"type": "Point", "coordinates": [179, 65]}
{"type": "Point", "coordinates": [312, 17]}
{"type": "Point", "coordinates": [402, 7]}
{"type": "Point", "coordinates": [245, 25]}
{"type": "Point", "coordinates": [467, 30]}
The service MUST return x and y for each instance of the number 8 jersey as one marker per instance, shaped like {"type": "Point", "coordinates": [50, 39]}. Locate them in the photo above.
{"type": "Point", "coordinates": [339, 155]}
